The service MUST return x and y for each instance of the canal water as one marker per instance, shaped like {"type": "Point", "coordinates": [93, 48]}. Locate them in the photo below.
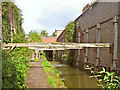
{"type": "Point", "coordinates": [74, 78]}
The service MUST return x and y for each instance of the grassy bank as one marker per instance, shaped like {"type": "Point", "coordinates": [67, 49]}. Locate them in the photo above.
{"type": "Point", "coordinates": [53, 77]}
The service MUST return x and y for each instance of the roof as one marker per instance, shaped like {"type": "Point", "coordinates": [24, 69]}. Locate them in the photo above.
{"type": "Point", "coordinates": [58, 30]}
{"type": "Point", "coordinates": [48, 39]}
{"type": "Point", "coordinates": [61, 34]}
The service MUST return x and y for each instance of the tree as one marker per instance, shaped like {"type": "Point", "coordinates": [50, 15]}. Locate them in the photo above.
{"type": "Point", "coordinates": [70, 32]}
{"type": "Point", "coordinates": [34, 37]}
{"type": "Point", "coordinates": [11, 16]}
{"type": "Point", "coordinates": [70, 37]}
{"type": "Point", "coordinates": [53, 35]}
{"type": "Point", "coordinates": [44, 33]}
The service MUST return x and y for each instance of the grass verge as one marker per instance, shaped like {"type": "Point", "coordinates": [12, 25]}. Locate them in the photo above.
{"type": "Point", "coordinates": [53, 77]}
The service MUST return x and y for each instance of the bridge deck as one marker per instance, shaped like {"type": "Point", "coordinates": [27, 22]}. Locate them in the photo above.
{"type": "Point", "coordinates": [56, 45]}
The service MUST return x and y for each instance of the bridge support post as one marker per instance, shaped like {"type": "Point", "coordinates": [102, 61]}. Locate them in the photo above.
{"type": "Point", "coordinates": [115, 22]}
{"type": "Point", "coordinates": [53, 55]}
{"type": "Point", "coordinates": [78, 59]}
{"type": "Point", "coordinates": [86, 51]}
{"type": "Point", "coordinates": [33, 56]}
{"type": "Point", "coordinates": [36, 53]}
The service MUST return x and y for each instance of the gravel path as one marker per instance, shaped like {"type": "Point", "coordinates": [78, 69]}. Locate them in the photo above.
{"type": "Point", "coordinates": [36, 77]}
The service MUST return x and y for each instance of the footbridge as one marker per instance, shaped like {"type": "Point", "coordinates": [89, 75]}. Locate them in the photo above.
{"type": "Point", "coordinates": [54, 46]}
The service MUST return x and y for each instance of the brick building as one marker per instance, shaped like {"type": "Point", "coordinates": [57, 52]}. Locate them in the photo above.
{"type": "Point", "coordinates": [58, 32]}
{"type": "Point", "coordinates": [60, 38]}
{"type": "Point", "coordinates": [98, 24]}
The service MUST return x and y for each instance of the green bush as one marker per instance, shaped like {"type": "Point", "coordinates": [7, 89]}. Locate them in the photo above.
{"type": "Point", "coordinates": [15, 67]}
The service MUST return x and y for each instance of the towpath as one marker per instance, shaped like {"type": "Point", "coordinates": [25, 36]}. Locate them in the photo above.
{"type": "Point", "coordinates": [36, 77]}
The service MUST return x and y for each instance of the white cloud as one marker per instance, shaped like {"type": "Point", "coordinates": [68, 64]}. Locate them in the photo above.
{"type": "Point", "coordinates": [49, 14]}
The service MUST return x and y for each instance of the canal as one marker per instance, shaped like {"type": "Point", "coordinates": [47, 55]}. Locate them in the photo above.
{"type": "Point", "coordinates": [75, 78]}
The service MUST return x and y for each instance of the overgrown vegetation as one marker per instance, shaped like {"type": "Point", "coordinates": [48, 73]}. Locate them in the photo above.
{"type": "Point", "coordinates": [15, 61]}
{"type": "Point", "coordinates": [69, 37]}
{"type": "Point", "coordinates": [111, 81]}
{"type": "Point", "coordinates": [12, 14]}
{"type": "Point", "coordinates": [70, 32]}
{"type": "Point", "coordinates": [15, 67]}
{"type": "Point", "coordinates": [53, 77]}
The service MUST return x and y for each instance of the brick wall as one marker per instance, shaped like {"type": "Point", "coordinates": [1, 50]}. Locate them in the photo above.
{"type": "Point", "coordinates": [102, 13]}
{"type": "Point", "coordinates": [97, 13]}
{"type": "Point", "coordinates": [61, 38]}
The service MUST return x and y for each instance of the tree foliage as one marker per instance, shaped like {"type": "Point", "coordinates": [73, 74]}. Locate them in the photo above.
{"type": "Point", "coordinates": [53, 35]}
{"type": "Point", "coordinates": [70, 37]}
{"type": "Point", "coordinates": [34, 36]}
{"type": "Point", "coordinates": [44, 33]}
{"type": "Point", "coordinates": [70, 32]}
{"type": "Point", "coordinates": [9, 9]}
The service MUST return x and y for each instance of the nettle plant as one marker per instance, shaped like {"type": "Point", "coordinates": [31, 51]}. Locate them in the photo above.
{"type": "Point", "coordinates": [106, 80]}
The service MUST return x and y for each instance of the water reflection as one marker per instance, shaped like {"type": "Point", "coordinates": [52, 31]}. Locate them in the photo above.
{"type": "Point", "coordinates": [74, 78]}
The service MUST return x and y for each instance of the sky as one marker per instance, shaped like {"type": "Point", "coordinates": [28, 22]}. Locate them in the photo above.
{"type": "Point", "coordinates": [49, 14]}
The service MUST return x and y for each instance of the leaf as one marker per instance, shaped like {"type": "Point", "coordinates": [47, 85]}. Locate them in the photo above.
{"type": "Point", "coordinates": [103, 69]}
{"type": "Point", "coordinates": [117, 77]}
{"type": "Point", "coordinates": [112, 73]}
{"type": "Point", "coordinates": [108, 73]}
{"type": "Point", "coordinates": [101, 72]}
{"type": "Point", "coordinates": [91, 76]}
{"type": "Point", "coordinates": [92, 71]}
{"type": "Point", "coordinates": [100, 80]}
{"type": "Point", "coordinates": [98, 75]}
{"type": "Point", "coordinates": [99, 85]}
{"type": "Point", "coordinates": [87, 68]}
{"type": "Point", "coordinates": [105, 77]}
{"type": "Point", "coordinates": [116, 80]}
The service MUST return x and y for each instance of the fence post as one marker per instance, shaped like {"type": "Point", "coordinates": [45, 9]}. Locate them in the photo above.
{"type": "Point", "coordinates": [115, 23]}
{"type": "Point", "coordinates": [86, 51]}
{"type": "Point", "coordinates": [98, 41]}
{"type": "Point", "coordinates": [78, 59]}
